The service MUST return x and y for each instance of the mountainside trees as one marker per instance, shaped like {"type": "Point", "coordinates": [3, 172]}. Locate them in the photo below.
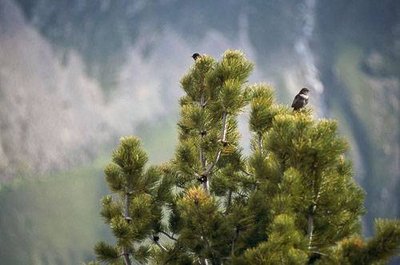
{"type": "Point", "coordinates": [291, 201]}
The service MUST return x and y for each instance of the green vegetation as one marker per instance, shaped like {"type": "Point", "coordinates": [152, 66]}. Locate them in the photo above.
{"type": "Point", "coordinates": [291, 201]}
{"type": "Point", "coordinates": [52, 219]}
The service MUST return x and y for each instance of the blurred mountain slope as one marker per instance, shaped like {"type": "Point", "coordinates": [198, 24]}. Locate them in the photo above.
{"type": "Point", "coordinates": [359, 47]}
{"type": "Point", "coordinates": [52, 221]}
{"type": "Point", "coordinates": [49, 112]}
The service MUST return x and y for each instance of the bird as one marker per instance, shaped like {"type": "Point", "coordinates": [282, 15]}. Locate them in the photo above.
{"type": "Point", "coordinates": [301, 99]}
{"type": "Point", "coordinates": [196, 56]}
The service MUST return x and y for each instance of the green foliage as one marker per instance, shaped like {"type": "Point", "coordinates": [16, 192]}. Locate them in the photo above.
{"type": "Point", "coordinates": [135, 212]}
{"type": "Point", "coordinates": [377, 250]}
{"type": "Point", "coordinates": [386, 241]}
{"type": "Point", "coordinates": [285, 245]}
{"type": "Point", "coordinates": [106, 253]}
{"type": "Point", "coordinates": [130, 158]}
{"type": "Point", "coordinates": [261, 112]}
{"type": "Point", "coordinates": [291, 201]}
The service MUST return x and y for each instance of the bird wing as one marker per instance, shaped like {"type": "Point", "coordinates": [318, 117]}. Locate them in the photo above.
{"type": "Point", "coordinates": [296, 100]}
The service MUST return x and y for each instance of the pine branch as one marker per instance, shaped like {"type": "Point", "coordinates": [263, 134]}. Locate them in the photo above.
{"type": "Point", "coordinates": [203, 178]}
{"type": "Point", "coordinates": [127, 204]}
{"type": "Point", "coordinates": [224, 126]}
{"type": "Point", "coordinates": [159, 244]}
{"type": "Point", "coordinates": [260, 143]}
{"type": "Point", "coordinates": [212, 165]}
{"type": "Point", "coordinates": [127, 260]}
{"type": "Point", "coordinates": [128, 218]}
{"type": "Point", "coordinates": [386, 242]}
{"type": "Point", "coordinates": [246, 173]}
{"type": "Point", "coordinates": [168, 235]}
{"type": "Point", "coordinates": [202, 158]}
{"type": "Point", "coordinates": [310, 229]}
{"type": "Point", "coordinates": [229, 200]}
{"type": "Point", "coordinates": [204, 261]}
{"type": "Point", "coordinates": [234, 241]}
{"type": "Point", "coordinates": [208, 245]}
{"type": "Point", "coordinates": [310, 221]}
{"type": "Point", "coordinates": [202, 132]}
{"type": "Point", "coordinates": [223, 141]}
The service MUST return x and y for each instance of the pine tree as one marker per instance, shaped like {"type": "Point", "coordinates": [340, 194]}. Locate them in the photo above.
{"type": "Point", "coordinates": [291, 201]}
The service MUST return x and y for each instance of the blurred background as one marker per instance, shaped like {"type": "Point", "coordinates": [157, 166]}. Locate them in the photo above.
{"type": "Point", "coordinates": [76, 75]}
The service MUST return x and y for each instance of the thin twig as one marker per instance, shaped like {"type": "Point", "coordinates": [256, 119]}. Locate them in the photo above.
{"type": "Point", "coordinates": [168, 235]}
{"type": "Point", "coordinates": [233, 242]}
{"type": "Point", "coordinates": [208, 246]}
{"type": "Point", "coordinates": [203, 261]}
{"type": "Point", "coordinates": [206, 186]}
{"type": "Point", "coordinates": [158, 244]}
{"type": "Point", "coordinates": [246, 173]}
{"type": "Point", "coordinates": [310, 219]}
{"type": "Point", "coordinates": [127, 260]}
{"type": "Point", "coordinates": [127, 202]}
{"type": "Point", "coordinates": [203, 133]}
{"type": "Point", "coordinates": [260, 143]}
{"type": "Point", "coordinates": [224, 126]}
{"type": "Point", "coordinates": [223, 140]}
{"type": "Point", "coordinates": [161, 246]}
{"type": "Point", "coordinates": [310, 229]}
{"type": "Point", "coordinates": [229, 199]}
{"type": "Point", "coordinates": [212, 165]}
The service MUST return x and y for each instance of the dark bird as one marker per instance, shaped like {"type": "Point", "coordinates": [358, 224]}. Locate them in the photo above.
{"type": "Point", "coordinates": [196, 56]}
{"type": "Point", "coordinates": [301, 99]}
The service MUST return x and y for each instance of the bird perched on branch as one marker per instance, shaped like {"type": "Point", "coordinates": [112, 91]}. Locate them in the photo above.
{"type": "Point", "coordinates": [196, 56]}
{"type": "Point", "coordinates": [301, 99]}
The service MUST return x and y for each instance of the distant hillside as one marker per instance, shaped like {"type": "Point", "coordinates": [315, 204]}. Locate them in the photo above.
{"type": "Point", "coordinates": [358, 43]}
